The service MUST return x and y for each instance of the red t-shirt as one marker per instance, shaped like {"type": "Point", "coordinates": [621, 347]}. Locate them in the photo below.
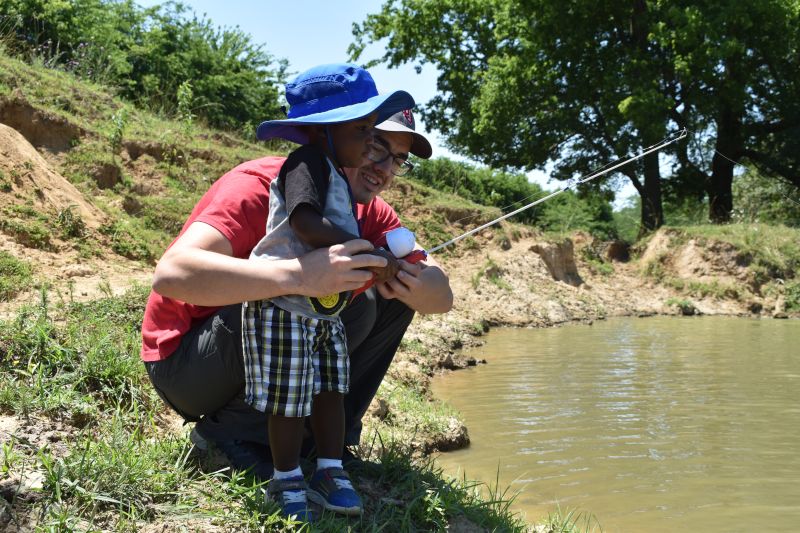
{"type": "Point", "coordinates": [237, 206]}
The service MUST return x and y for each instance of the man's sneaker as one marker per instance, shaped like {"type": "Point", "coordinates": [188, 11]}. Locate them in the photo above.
{"type": "Point", "coordinates": [350, 460]}
{"type": "Point", "coordinates": [331, 488]}
{"type": "Point", "coordinates": [290, 495]}
{"type": "Point", "coordinates": [198, 440]}
{"type": "Point", "coordinates": [242, 455]}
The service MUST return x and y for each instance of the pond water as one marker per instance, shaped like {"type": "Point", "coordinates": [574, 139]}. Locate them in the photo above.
{"type": "Point", "coordinates": [656, 424]}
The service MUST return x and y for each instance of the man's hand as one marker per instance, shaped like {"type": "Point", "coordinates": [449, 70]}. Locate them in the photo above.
{"type": "Point", "coordinates": [342, 267]}
{"type": "Point", "coordinates": [423, 286]}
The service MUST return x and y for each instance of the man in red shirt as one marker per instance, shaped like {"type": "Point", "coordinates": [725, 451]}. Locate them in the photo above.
{"type": "Point", "coordinates": [192, 346]}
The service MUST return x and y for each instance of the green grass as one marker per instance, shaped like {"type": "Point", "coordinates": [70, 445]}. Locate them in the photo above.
{"type": "Point", "coordinates": [26, 226]}
{"type": "Point", "coordinates": [771, 249]}
{"type": "Point", "coordinates": [410, 408]}
{"type": "Point", "coordinates": [76, 366]}
{"type": "Point", "coordinates": [595, 262]}
{"type": "Point", "coordinates": [792, 294]}
{"type": "Point", "coordinates": [684, 306]}
{"type": "Point", "coordinates": [15, 276]}
{"type": "Point", "coordinates": [492, 272]}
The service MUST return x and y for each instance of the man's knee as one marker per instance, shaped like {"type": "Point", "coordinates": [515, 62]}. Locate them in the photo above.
{"type": "Point", "coordinates": [206, 371]}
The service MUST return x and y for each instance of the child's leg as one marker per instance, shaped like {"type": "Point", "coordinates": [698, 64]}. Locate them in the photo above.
{"type": "Point", "coordinates": [327, 423]}
{"type": "Point", "coordinates": [279, 379]}
{"type": "Point", "coordinates": [285, 439]}
{"type": "Point", "coordinates": [330, 485]}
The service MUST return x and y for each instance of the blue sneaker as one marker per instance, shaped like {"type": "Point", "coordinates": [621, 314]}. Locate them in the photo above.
{"type": "Point", "coordinates": [331, 488]}
{"type": "Point", "coordinates": [290, 495]}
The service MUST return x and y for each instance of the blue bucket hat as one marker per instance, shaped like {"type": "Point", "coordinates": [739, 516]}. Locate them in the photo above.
{"type": "Point", "coordinates": [330, 94]}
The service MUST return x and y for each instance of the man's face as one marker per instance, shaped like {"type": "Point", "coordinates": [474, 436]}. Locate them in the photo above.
{"type": "Point", "coordinates": [371, 179]}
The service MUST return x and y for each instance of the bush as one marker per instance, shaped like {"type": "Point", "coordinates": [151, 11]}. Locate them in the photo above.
{"type": "Point", "coordinates": [793, 296]}
{"type": "Point", "coordinates": [757, 198]}
{"type": "Point", "coordinates": [482, 185]}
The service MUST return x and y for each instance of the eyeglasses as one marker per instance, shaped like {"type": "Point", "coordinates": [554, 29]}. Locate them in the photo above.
{"type": "Point", "coordinates": [380, 153]}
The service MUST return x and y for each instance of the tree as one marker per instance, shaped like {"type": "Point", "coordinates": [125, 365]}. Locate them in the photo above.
{"type": "Point", "coordinates": [148, 54]}
{"type": "Point", "coordinates": [583, 83]}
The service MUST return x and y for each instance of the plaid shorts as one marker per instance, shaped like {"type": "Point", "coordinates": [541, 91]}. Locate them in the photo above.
{"type": "Point", "coordinates": [289, 358]}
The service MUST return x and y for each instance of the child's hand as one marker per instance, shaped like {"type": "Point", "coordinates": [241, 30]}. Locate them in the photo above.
{"type": "Point", "coordinates": [389, 271]}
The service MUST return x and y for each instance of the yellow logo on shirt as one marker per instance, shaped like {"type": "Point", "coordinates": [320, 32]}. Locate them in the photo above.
{"type": "Point", "coordinates": [329, 305]}
{"type": "Point", "coordinates": [329, 301]}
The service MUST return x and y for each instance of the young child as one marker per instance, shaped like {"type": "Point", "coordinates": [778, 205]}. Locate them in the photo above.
{"type": "Point", "coordinates": [294, 347]}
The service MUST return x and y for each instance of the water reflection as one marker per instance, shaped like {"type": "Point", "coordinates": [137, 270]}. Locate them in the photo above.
{"type": "Point", "coordinates": [656, 424]}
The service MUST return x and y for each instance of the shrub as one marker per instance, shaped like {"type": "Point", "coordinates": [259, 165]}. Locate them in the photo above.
{"type": "Point", "coordinates": [148, 54]}
{"type": "Point", "coordinates": [792, 293]}
{"type": "Point", "coordinates": [509, 191]}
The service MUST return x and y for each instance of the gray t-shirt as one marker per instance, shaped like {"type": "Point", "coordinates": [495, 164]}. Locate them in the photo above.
{"type": "Point", "coordinates": [302, 180]}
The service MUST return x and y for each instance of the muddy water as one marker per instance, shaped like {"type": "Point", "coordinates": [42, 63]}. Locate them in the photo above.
{"type": "Point", "coordinates": [657, 424]}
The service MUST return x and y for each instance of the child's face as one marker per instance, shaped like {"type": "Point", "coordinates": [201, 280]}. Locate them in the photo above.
{"type": "Point", "coordinates": [352, 140]}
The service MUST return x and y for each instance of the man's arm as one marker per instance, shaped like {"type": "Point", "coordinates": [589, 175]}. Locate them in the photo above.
{"type": "Point", "coordinates": [423, 286]}
{"type": "Point", "coordinates": [199, 268]}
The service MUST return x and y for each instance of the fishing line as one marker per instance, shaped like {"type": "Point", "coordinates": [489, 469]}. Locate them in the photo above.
{"type": "Point", "coordinates": [512, 204]}
{"type": "Point", "coordinates": [574, 182]}
{"type": "Point", "coordinates": [741, 165]}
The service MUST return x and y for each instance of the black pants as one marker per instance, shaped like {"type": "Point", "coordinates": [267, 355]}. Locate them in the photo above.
{"type": "Point", "coordinates": [203, 381]}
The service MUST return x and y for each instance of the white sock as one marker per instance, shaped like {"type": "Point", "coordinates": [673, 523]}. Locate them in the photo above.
{"type": "Point", "coordinates": [328, 463]}
{"type": "Point", "coordinates": [291, 473]}
{"type": "Point", "coordinates": [342, 483]}
{"type": "Point", "coordinates": [291, 496]}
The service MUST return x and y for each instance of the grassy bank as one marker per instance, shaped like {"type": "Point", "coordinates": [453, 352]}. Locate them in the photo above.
{"type": "Point", "coordinates": [91, 447]}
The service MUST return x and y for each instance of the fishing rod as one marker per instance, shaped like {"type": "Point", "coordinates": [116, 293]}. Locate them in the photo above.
{"type": "Point", "coordinates": [654, 148]}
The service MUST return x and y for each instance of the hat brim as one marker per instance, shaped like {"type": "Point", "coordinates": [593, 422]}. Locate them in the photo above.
{"type": "Point", "coordinates": [420, 146]}
{"type": "Point", "coordinates": [291, 128]}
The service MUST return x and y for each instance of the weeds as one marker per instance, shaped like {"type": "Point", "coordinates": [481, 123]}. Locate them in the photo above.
{"type": "Point", "coordinates": [792, 295]}
{"type": "Point", "coordinates": [116, 131]}
{"type": "Point", "coordinates": [5, 183]}
{"type": "Point", "coordinates": [571, 521]}
{"type": "Point", "coordinates": [414, 346]}
{"type": "Point", "coordinates": [685, 307]}
{"type": "Point", "coordinates": [185, 97]}
{"type": "Point", "coordinates": [15, 276]}
{"type": "Point", "coordinates": [28, 228]}
{"type": "Point", "coordinates": [77, 363]}
{"type": "Point", "coordinates": [70, 223]}
{"type": "Point", "coordinates": [410, 408]}
{"type": "Point", "coordinates": [131, 240]}
{"type": "Point", "coordinates": [493, 274]}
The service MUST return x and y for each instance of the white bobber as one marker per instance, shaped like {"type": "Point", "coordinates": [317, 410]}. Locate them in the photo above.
{"type": "Point", "coordinates": [401, 241]}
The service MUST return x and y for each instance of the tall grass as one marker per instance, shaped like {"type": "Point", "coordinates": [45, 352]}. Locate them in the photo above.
{"type": "Point", "coordinates": [71, 371]}
{"type": "Point", "coordinates": [773, 249]}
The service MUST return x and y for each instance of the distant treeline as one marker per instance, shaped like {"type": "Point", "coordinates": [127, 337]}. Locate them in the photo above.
{"type": "Point", "coordinates": [148, 54]}
{"type": "Point", "coordinates": [758, 199]}
{"type": "Point", "coordinates": [170, 61]}
{"type": "Point", "coordinates": [570, 211]}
